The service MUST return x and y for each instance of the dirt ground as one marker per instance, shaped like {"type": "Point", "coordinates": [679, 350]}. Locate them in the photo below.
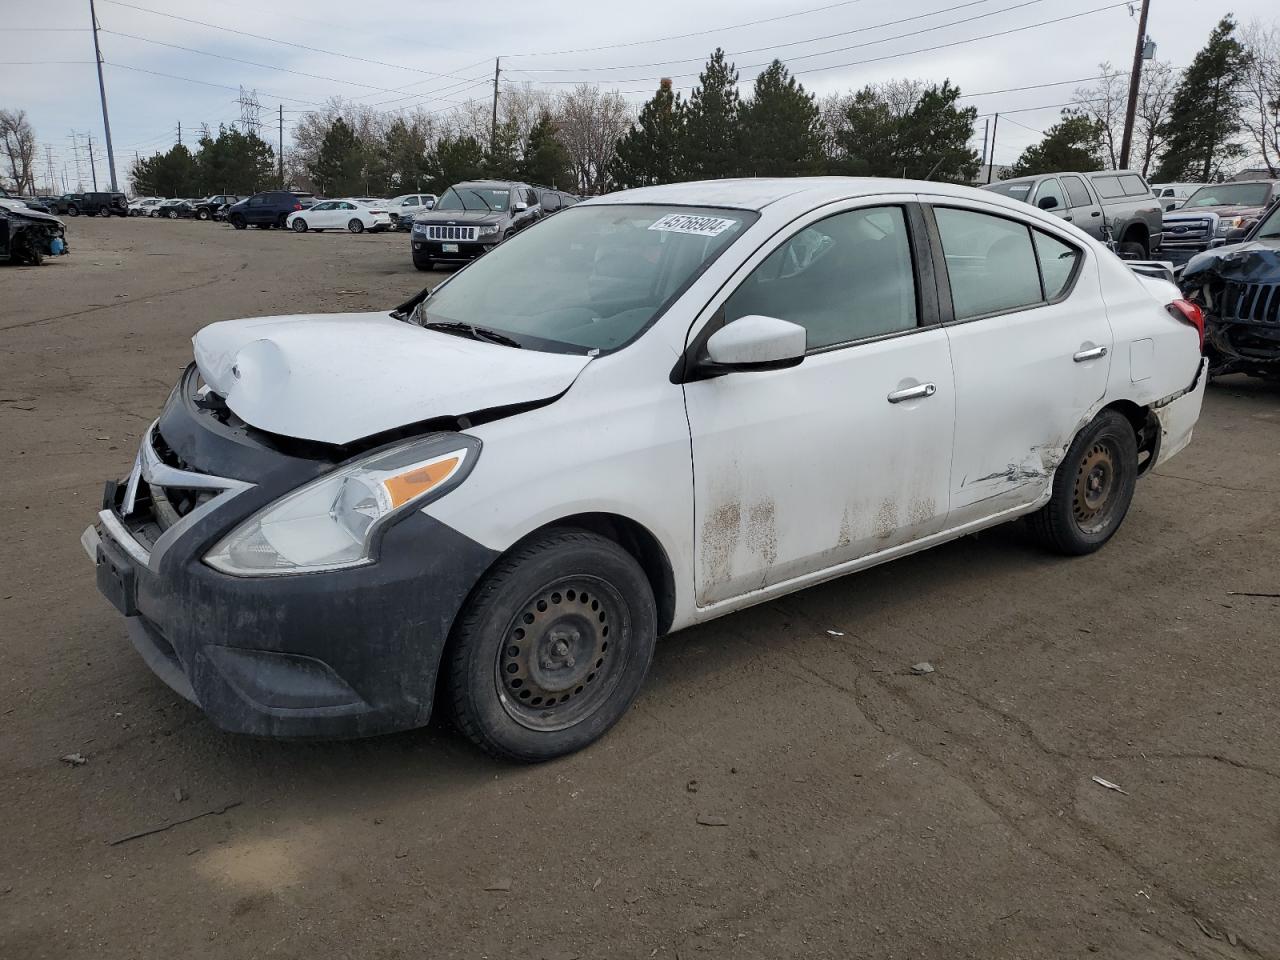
{"type": "Point", "coordinates": [867, 812]}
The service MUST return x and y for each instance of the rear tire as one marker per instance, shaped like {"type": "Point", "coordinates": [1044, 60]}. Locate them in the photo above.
{"type": "Point", "coordinates": [552, 647]}
{"type": "Point", "coordinates": [1132, 250]}
{"type": "Point", "coordinates": [73, 211]}
{"type": "Point", "coordinates": [1092, 488]}
{"type": "Point", "coordinates": [104, 211]}
{"type": "Point", "coordinates": [299, 225]}
{"type": "Point", "coordinates": [173, 214]}
{"type": "Point", "coordinates": [154, 214]}
{"type": "Point", "coordinates": [355, 226]}
{"type": "Point", "coordinates": [202, 214]}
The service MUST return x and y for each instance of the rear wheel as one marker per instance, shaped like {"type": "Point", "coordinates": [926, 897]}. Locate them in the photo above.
{"type": "Point", "coordinates": [173, 214]}
{"type": "Point", "coordinates": [104, 211]}
{"type": "Point", "coordinates": [1132, 250]}
{"type": "Point", "coordinates": [552, 647]}
{"type": "Point", "coordinates": [202, 214]}
{"type": "Point", "coordinates": [73, 211]}
{"type": "Point", "coordinates": [1092, 488]}
{"type": "Point", "coordinates": [299, 225]}
{"type": "Point", "coordinates": [153, 214]}
{"type": "Point", "coordinates": [355, 226]}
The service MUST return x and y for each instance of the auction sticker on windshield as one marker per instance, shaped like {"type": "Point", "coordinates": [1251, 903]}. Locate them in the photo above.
{"type": "Point", "coordinates": [699, 226]}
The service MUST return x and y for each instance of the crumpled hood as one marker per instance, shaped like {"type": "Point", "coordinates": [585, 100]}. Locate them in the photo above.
{"type": "Point", "coordinates": [336, 378]}
{"type": "Point", "coordinates": [1257, 261]}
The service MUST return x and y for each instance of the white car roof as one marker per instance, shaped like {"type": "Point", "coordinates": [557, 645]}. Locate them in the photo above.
{"type": "Point", "coordinates": [756, 194]}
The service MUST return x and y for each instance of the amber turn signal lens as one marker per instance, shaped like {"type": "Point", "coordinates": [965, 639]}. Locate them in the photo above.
{"type": "Point", "coordinates": [417, 481]}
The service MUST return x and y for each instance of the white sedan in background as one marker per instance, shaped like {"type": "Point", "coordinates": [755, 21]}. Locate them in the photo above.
{"type": "Point", "coordinates": [352, 214]}
{"type": "Point", "coordinates": [144, 206]}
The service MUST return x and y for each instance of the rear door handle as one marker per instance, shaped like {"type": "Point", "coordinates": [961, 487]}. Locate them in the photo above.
{"type": "Point", "coordinates": [1068, 219]}
{"type": "Point", "coordinates": [918, 392]}
{"type": "Point", "coordinates": [1092, 354]}
{"type": "Point", "coordinates": [1096, 213]}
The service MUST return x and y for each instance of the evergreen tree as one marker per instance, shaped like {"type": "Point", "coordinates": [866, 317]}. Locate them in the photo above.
{"type": "Point", "coordinates": [1073, 143]}
{"type": "Point", "coordinates": [710, 146]}
{"type": "Point", "coordinates": [234, 162]}
{"type": "Point", "coordinates": [649, 153]}
{"type": "Point", "coordinates": [169, 174]}
{"type": "Point", "coordinates": [933, 139]}
{"type": "Point", "coordinates": [781, 127]}
{"type": "Point", "coordinates": [405, 149]}
{"type": "Point", "coordinates": [546, 159]}
{"type": "Point", "coordinates": [502, 159]}
{"type": "Point", "coordinates": [454, 160]}
{"type": "Point", "coordinates": [1205, 114]}
{"type": "Point", "coordinates": [338, 169]}
{"type": "Point", "coordinates": [868, 144]}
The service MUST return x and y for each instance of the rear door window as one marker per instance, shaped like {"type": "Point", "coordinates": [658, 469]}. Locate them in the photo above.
{"type": "Point", "coordinates": [1057, 263]}
{"type": "Point", "coordinates": [990, 262]}
{"type": "Point", "coordinates": [1077, 192]}
{"type": "Point", "coordinates": [1108, 187]}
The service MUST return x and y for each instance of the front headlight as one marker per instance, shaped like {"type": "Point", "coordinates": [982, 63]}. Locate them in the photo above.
{"type": "Point", "coordinates": [332, 522]}
{"type": "Point", "coordinates": [1227, 224]}
{"type": "Point", "coordinates": [420, 228]}
{"type": "Point", "coordinates": [487, 230]}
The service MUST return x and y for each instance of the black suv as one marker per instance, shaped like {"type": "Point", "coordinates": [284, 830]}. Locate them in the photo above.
{"type": "Point", "coordinates": [101, 204]}
{"type": "Point", "coordinates": [471, 218]}
{"type": "Point", "coordinates": [207, 208]}
{"type": "Point", "coordinates": [267, 209]}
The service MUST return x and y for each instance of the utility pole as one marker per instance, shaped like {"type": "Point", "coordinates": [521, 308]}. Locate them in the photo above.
{"type": "Point", "coordinates": [102, 92]}
{"type": "Point", "coordinates": [179, 133]}
{"type": "Point", "coordinates": [65, 187]}
{"type": "Point", "coordinates": [986, 131]}
{"type": "Point", "coordinates": [493, 132]}
{"type": "Point", "coordinates": [991, 163]}
{"type": "Point", "coordinates": [1135, 78]}
{"type": "Point", "coordinates": [93, 167]}
{"type": "Point", "coordinates": [53, 176]}
{"type": "Point", "coordinates": [280, 155]}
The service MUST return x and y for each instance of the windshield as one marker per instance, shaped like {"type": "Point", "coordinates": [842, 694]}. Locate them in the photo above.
{"type": "Point", "coordinates": [1019, 191]}
{"type": "Point", "coordinates": [1231, 195]}
{"type": "Point", "coordinates": [464, 197]}
{"type": "Point", "coordinates": [1270, 229]}
{"type": "Point", "coordinates": [590, 278]}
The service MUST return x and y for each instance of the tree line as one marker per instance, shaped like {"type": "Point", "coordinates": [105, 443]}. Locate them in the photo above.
{"type": "Point", "coordinates": [231, 162]}
{"type": "Point", "coordinates": [1196, 126]}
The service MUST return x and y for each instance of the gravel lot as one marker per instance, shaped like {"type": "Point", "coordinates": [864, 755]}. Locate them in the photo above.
{"type": "Point", "coordinates": [867, 812]}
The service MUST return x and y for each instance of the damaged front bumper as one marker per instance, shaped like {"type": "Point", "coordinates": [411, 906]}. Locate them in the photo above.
{"type": "Point", "coordinates": [336, 654]}
{"type": "Point", "coordinates": [1239, 291]}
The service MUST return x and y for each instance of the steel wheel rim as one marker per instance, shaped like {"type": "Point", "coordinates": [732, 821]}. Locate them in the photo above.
{"type": "Point", "coordinates": [1093, 500]}
{"type": "Point", "coordinates": [563, 654]}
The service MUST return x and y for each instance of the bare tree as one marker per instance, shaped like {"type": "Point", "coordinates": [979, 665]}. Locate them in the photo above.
{"type": "Point", "coordinates": [1105, 102]}
{"type": "Point", "coordinates": [1155, 97]}
{"type": "Point", "coordinates": [591, 123]}
{"type": "Point", "coordinates": [1261, 115]}
{"type": "Point", "coordinates": [18, 144]}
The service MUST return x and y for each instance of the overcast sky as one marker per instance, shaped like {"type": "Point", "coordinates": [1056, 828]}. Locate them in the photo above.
{"type": "Point", "coordinates": [432, 54]}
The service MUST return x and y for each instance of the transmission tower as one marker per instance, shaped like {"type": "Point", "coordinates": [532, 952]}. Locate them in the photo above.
{"type": "Point", "coordinates": [250, 110]}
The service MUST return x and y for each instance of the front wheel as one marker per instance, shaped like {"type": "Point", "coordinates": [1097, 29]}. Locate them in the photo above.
{"type": "Point", "coordinates": [552, 647]}
{"type": "Point", "coordinates": [153, 214]}
{"type": "Point", "coordinates": [104, 212]}
{"type": "Point", "coordinates": [355, 226]}
{"type": "Point", "coordinates": [73, 211]}
{"type": "Point", "coordinates": [299, 225]}
{"type": "Point", "coordinates": [1092, 488]}
{"type": "Point", "coordinates": [238, 222]}
{"type": "Point", "coordinates": [202, 214]}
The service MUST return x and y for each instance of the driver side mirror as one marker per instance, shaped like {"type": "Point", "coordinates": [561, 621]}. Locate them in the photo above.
{"type": "Point", "coordinates": [1048, 203]}
{"type": "Point", "coordinates": [756, 343]}
{"type": "Point", "coordinates": [521, 205]}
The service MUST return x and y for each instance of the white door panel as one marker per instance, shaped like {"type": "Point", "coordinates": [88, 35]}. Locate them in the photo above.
{"type": "Point", "coordinates": [801, 469]}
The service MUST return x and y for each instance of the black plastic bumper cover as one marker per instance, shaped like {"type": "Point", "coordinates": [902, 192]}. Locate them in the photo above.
{"type": "Point", "coordinates": [343, 653]}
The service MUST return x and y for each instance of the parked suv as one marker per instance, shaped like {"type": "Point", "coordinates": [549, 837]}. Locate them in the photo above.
{"type": "Point", "coordinates": [553, 201]}
{"type": "Point", "coordinates": [67, 203]}
{"type": "Point", "coordinates": [1215, 211]}
{"type": "Point", "coordinates": [470, 218]}
{"type": "Point", "coordinates": [101, 204]}
{"type": "Point", "coordinates": [407, 206]}
{"type": "Point", "coordinates": [1112, 205]}
{"type": "Point", "coordinates": [267, 209]}
{"type": "Point", "coordinates": [207, 208]}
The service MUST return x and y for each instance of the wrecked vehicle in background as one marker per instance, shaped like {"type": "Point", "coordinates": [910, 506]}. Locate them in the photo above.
{"type": "Point", "coordinates": [1217, 214]}
{"type": "Point", "coordinates": [28, 236]}
{"type": "Point", "coordinates": [650, 410]}
{"type": "Point", "coordinates": [1238, 287]}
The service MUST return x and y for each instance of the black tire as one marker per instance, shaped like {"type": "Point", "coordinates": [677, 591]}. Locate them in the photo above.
{"type": "Point", "coordinates": [238, 222]}
{"type": "Point", "coordinates": [280, 220]}
{"type": "Point", "coordinates": [299, 225]}
{"type": "Point", "coordinates": [423, 263]}
{"type": "Point", "coordinates": [1092, 488]}
{"type": "Point", "coordinates": [104, 211]}
{"type": "Point", "coordinates": [173, 214]}
{"type": "Point", "coordinates": [153, 214]}
{"type": "Point", "coordinates": [355, 226]}
{"type": "Point", "coordinates": [202, 214]}
{"type": "Point", "coordinates": [1132, 250]}
{"type": "Point", "coordinates": [73, 211]}
{"type": "Point", "coordinates": [568, 616]}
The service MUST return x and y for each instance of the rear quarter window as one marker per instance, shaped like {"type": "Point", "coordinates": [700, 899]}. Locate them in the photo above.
{"type": "Point", "coordinates": [1134, 186]}
{"type": "Point", "coordinates": [1108, 187]}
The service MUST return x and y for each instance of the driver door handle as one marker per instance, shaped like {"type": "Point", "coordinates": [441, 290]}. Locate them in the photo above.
{"type": "Point", "coordinates": [918, 392]}
{"type": "Point", "coordinates": [1093, 354]}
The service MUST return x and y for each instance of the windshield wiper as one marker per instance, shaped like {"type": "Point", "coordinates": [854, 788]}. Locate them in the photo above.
{"type": "Point", "coordinates": [472, 331]}
{"type": "Point", "coordinates": [482, 199]}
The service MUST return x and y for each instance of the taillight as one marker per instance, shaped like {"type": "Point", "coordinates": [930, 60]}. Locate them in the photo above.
{"type": "Point", "coordinates": [297, 206]}
{"type": "Point", "coordinates": [1189, 312]}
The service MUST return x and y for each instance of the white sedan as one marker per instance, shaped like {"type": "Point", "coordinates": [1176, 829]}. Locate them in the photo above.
{"type": "Point", "coordinates": [145, 206]}
{"type": "Point", "coordinates": [355, 215]}
{"type": "Point", "coordinates": [653, 409]}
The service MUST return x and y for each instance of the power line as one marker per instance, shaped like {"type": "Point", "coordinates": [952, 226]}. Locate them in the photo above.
{"type": "Point", "coordinates": [207, 83]}
{"type": "Point", "coordinates": [827, 36]}
{"type": "Point", "coordinates": [889, 56]}
{"type": "Point", "coordinates": [286, 43]}
{"type": "Point", "coordinates": [1034, 86]}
